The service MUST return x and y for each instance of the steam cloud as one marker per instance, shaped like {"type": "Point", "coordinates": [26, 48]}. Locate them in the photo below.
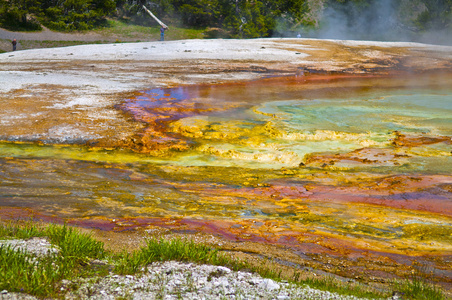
{"type": "Point", "coordinates": [381, 20]}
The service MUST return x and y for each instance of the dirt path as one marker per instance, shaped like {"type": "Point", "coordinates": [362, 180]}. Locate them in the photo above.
{"type": "Point", "coordinates": [45, 35]}
{"type": "Point", "coordinates": [54, 38]}
{"type": "Point", "coordinates": [48, 35]}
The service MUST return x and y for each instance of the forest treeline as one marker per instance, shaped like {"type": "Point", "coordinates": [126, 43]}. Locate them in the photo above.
{"type": "Point", "coordinates": [228, 18]}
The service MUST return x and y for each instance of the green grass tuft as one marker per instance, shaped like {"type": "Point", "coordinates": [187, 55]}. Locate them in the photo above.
{"type": "Point", "coordinates": [125, 30]}
{"type": "Point", "coordinates": [23, 272]}
{"type": "Point", "coordinates": [343, 288]}
{"type": "Point", "coordinates": [166, 250]}
{"type": "Point", "coordinates": [72, 243]}
{"type": "Point", "coordinates": [417, 288]}
{"type": "Point", "coordinates": [178, 249]}
{"type": "Point", "coordinates": [25, 231]}
{"type": "Point", "coordinates": [40, 275]}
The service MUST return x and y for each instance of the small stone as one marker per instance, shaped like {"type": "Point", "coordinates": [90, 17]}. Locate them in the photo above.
{"type": "Point", "coordinates": [269, 285]}
{"type": "Point", "coordinates": [224, 269]}
{"type": "Point", "coordinates": [4, 292]}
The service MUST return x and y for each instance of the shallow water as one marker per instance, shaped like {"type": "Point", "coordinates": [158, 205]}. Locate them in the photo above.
{"type": "Point", "coordinates": [319, 163]}
{"type": "Point", "coordinates": [284, 133]}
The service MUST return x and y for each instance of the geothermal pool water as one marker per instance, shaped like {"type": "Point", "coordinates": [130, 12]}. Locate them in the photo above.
{"type": "Point", "coordinates": [344, 166]}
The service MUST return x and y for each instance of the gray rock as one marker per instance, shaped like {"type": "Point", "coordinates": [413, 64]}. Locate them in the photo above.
{"type": "Point", "coordinates": [36, 245]}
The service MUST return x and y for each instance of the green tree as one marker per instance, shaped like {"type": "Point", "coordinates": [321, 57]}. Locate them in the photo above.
{"type": "Point", "coordinates": [436, 16]}
{"type": "Point", "coordinates": [132, 10]}
{"type": "Point", "coordinates": [70, 15]}
{"type": "Point", "coordinates": [201, 13]}
{"type": "Point", "coordinates": [249, 19]}
{"type": "Point", "coordinates": [241, 18]}
{"type": "Point", "coordinates": [18, 14]}
{"type": "Point", "coordinates": [55, 14]}
{"type": "Point", "coordinates": [290, 14]}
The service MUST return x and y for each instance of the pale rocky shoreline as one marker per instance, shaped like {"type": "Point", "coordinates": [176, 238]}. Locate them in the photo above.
{"type": "Point", "coordinates": [172, 280]}
{"type": "Point", "coordinates": [175, 280]}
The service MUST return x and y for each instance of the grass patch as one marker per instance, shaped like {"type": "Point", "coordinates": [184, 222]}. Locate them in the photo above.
{"type": "Point", "coordinates": [24, 230]}
{"type": "Point", "coordinates": [125, 30]}
{"type": "Point", "coordinates": [175, 249]}
{"type": "Point", "coordinates": [121, 28]}
{"type": "Point", "coordinates": [72, 243]}
{"type": "Point", "coordinates": [22, 272]}
{"type": "Point", "coordinates": [333, 285]}
{"type": "Point", "coordinates": [417, 288]}
{"type": "Point", "coordinates": [42, 275]}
